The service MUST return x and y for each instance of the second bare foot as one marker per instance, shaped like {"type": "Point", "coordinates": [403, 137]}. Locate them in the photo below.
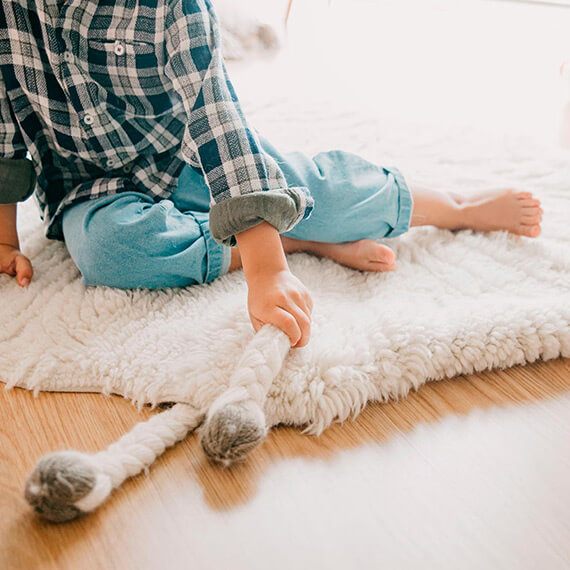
{"type": "Point", "coordinates": [364, 254]}
{"type": "Point", "coordinates": [518, 212]}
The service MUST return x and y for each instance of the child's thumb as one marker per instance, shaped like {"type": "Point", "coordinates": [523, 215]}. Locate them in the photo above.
{"type": "Point", "coordinates": [24, 270]}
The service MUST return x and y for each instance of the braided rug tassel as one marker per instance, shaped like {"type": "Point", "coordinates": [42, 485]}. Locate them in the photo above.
{"type": "Point", "coordinates": [68, 484]}
{"type": "Point", "coordinates": [235, 423]}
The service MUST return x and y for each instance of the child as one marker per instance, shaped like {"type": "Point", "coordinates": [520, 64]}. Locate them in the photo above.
{"type": "Point", "coordinates": [143, 163]}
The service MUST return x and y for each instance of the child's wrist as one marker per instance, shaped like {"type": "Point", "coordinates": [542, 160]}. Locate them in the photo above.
{"type": "Point", "coordinates": [8, 226]}
{"type": "Point", "coordinates": [261, 251]}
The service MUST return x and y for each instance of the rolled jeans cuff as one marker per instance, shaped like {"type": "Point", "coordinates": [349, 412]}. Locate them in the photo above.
{"type": "Point", "coordinates": [218, 257]}
{"type": "Point", "coordinates": [405, 205]}
{"type": "Point", "coordinates": [283, 208]}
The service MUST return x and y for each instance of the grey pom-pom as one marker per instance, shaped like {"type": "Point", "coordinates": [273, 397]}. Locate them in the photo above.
{"type": "Point", "coordinates": [233, 431]}
{"type": "Point", "coordinates": [59, 481]}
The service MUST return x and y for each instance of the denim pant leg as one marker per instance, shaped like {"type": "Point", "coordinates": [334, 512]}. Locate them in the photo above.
{"type": "Point", "coordinates": [128, 241]}
{"type": "Point", "coordinates": [354, 199]}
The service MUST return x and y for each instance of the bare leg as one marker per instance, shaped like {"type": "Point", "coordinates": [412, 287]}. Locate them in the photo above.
{"type": "Point", "coordinates": [517, 212]}
{"type": "Point", "coordinates": [364, 254]}
{"type": "Point", "coordinates": [501, 209]}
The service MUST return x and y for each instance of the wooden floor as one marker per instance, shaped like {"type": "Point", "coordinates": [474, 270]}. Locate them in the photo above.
{"type": "Point", "coordinates": [466, 473]}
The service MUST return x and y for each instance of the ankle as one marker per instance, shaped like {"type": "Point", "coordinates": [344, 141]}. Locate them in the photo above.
{"type": "Point", "coordinates": [466, 215]}
{"type": "Point", "coordinates": [291, 245]}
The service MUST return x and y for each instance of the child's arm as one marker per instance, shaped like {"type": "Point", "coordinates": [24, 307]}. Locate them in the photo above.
{"type": "Point", "coordinates": [12, 260]}
{"type": "Point", "coordinates": [251, 202]}
{"type": "Point", "coordinates": [246, 184]}
{"type": "Point", "coordinates": [275, 295]}
{"type": "Point", "coordinates": [8, 231]}
{"type": "Point", "coordinates": [17, 182]}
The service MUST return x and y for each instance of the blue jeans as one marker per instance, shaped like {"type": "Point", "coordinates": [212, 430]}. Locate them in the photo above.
{"type": "Point", "coordinates": [128, 240]}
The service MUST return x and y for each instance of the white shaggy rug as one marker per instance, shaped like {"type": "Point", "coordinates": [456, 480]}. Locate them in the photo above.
{"type": "Point", "coordinates": [458, 303]}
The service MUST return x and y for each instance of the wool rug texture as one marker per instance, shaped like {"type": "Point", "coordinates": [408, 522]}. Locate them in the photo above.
{"type": "Point", "coordinates": [458, 303]}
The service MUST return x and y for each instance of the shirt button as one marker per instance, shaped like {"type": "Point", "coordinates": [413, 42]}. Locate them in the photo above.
{"type": "Point", "coordinates": [68, 56]}
{"type": "Point", "coordinates": [119, 48]}
{"type": "Point", "coordinates": [110, 162]}
{"type": "Point", "coordinates": [88, 119]}
{"type": "Point", "coordinates": [127, 168]}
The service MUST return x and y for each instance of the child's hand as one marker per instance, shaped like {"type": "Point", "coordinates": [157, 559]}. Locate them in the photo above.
{"type": "Point", "coordinates": [279, 298]}
{"type": "Point", "coordinates": [15, 263]}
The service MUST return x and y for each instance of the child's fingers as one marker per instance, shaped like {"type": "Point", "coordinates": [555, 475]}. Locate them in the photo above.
{"type": "Point", "coordinates": [285, 321]}
{"type": "Point", "coordinates": [307, 306]}
{"type": "Point", "coordinates": [257, 324]}
{"type": "Point", "coordinates": [304, 301]}
{"type": "Point", "coordinates": [303, 322]}
{"type": "Point", "coordinates": [309, 301]}
{"type": "Point", "coordinates": [8, 269]}
{"type": "Point", "coordinates": [24, 270]}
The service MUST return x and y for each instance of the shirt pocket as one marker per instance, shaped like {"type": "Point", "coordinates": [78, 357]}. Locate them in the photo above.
{"type": "Point", "coordinates": [129, 76]}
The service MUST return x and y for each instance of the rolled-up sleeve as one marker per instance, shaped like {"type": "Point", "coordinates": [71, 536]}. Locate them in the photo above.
{"type": "Point", "coordinates": [246, 185]}
{"type": "Point", "coordinates": [17, 175]}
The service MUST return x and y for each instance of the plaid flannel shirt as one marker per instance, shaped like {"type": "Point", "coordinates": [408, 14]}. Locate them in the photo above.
{"type": "Point", "coordinates": [115, 95]}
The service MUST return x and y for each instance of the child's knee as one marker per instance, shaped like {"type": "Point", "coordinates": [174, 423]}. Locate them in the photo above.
{"type": "Point", "coordinates": [129, 242]}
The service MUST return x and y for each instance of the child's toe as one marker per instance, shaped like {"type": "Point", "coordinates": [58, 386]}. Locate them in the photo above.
{"type": "Point", "coordinates": [530, 230]}
{"type": "Point", "coordinates": [383, 254]}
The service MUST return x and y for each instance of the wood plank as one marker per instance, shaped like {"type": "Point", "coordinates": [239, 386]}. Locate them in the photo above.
{"type": "Point", "coordinates": [148, 522]}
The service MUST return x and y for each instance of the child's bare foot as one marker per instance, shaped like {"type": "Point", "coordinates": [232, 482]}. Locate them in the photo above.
{"type": "Point", "coordinates": [364, 254]}
{"type": "Point", "coordinates": [518, 212]}
{"type": "Point", "coordinates": [503, 209]}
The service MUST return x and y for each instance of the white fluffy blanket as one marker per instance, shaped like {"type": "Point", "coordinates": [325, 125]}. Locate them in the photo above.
{"type": "Point", "coordinates": [458, 303]}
